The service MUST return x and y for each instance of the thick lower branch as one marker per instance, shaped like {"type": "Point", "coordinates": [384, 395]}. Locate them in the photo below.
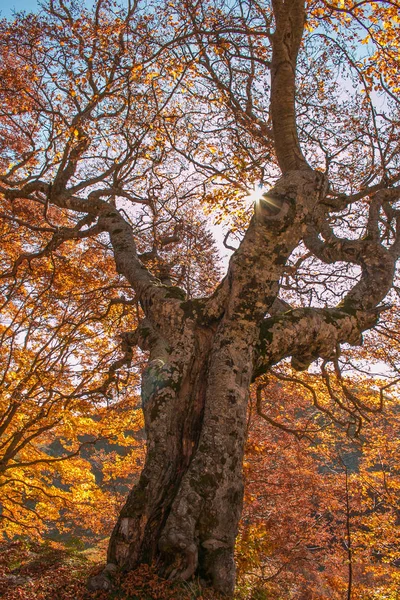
{"type": "Point", "coordinates": [306, 334]}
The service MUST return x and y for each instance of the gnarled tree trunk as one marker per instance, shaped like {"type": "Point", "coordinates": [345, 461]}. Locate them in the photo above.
{"type": "Point", "coordinates": [204, 354]}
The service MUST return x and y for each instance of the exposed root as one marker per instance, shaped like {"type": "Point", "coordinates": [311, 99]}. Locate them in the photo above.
{"type": "Point", "coordinates": [103, 581]}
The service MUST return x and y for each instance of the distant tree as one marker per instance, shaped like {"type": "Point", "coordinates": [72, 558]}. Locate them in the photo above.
{"type": "Point", "coordinates": [138, 116]}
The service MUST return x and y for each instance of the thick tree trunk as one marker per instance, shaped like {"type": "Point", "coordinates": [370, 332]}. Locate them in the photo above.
{"type": "Point", "coordinates": [185, 509]}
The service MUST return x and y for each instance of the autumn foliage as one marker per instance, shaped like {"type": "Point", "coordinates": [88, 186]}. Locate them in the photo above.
{"type": "Point", "coordinates": [160, 112]}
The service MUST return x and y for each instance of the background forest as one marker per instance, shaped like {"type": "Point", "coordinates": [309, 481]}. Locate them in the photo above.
{"type": "Point", "coordinates": [166, 107]}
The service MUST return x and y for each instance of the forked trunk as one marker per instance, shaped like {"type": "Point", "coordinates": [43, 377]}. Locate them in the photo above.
{"type": "Point", "coordinates": [184, 512]}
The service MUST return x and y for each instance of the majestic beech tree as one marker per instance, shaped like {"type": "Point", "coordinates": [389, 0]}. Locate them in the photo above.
{"type": "Point", "coordinates": [135, 116]}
